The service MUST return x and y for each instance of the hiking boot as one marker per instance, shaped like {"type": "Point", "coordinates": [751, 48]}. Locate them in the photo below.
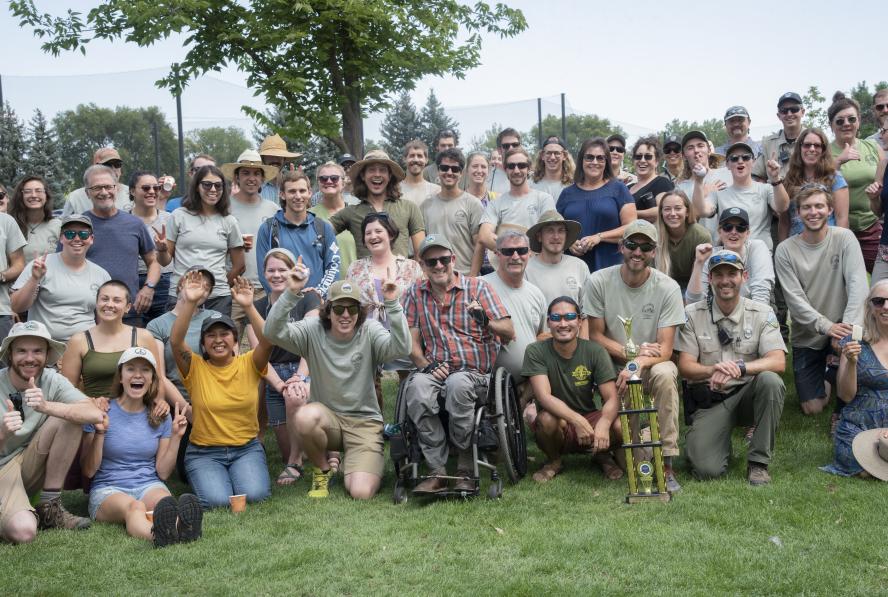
{"type": "Point", "coordinates": [757, 474]}
{"type": "Point", "coordinates": [466, 483]}
{"type": "Point", "coordinates": [433, 484]}
{"type": "Point", "coordinates": [166, 512]}
{"type": "Point", "coordinates": [53, 515]}
{"type": "Point", "coordinates": [672, 485]}
{"type": "Point", "coordinates": [190, 518]}
{"type": "Point", "coordinates": [320, 481]}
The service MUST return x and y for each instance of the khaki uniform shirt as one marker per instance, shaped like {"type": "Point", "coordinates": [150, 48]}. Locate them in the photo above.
{"type": "Point", "coordinates": [776, 144]}
{"type": "Point", "coordinates": [752, 325]}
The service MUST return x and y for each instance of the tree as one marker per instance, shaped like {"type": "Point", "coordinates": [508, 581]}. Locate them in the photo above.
{"type": "Point", "coordinates": [433, 120]}
{"type": "Point", "coordinates": [329, 62]}
{"type": "Point", "coordinates": [815, 112]}
{"type": "Point", "coordinates": [12, 146]}
{"type": "Point", "coordinates": [579, 128]}
{"type": "Point", "coordinates": [315, 150]}
{"type": "Point", "coordinates": [225, 144]}
{"type": "Point", "coordinates": [44, 159]}
{"type": "Point", "coordinates": [400, 125]}
{"type": "Point", "coordinates": [713, 128]}
{"type": "Point", "coordinates": [861, 93]}
{"type": "Point", "coordinates": [487, 140]}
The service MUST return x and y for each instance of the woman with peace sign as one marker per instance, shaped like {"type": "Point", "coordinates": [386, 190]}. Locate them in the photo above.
{"type": "Point", "coordinates": [131, 452]}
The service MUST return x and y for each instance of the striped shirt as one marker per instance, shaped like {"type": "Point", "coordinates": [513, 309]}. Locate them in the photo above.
{"type": "Point", "coordinates": [448, 331]}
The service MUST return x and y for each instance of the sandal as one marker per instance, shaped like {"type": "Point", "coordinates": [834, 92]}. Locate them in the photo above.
{"type": "Point", "coordinates": [547, 472]}
{"type": "Point", "coordinates": [609, 466]}
{"type": "Point", "coordinates": [287, 477]}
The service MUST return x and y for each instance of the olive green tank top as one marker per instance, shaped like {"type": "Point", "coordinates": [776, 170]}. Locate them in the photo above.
{"type": "Point", "coordinates": [98, 368]}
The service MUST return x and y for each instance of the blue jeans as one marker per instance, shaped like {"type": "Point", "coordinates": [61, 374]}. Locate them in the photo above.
{"type": "Point", "coordinates": [218, 472]}
{"type": "Point", "coordinates": [161, 297]}
{"type": "Point", "coordinates": [274, 401]}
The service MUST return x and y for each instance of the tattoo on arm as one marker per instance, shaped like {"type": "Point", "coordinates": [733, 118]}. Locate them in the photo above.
{"type": "Point", "coordinates": [185, 355]}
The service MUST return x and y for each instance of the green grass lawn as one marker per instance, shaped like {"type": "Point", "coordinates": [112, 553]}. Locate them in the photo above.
{"type": "Point", "coordinates": [806, 533]}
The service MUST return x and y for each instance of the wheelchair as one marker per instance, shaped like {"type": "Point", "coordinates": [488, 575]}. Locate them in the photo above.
{"type": "Point", "coordinates": [498, 438]}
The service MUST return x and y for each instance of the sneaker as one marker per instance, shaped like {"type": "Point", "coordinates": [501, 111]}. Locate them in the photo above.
{"type": "Point", "coordinates": [434, 484]}
{"type": "Point", "coordinates": [53, 515]}
{"type": "Point", "coordinates": [320, 481]}
{"type": "Point", "coordinates": [166, 513]}
{"type": "Point", "coordinates": [672, 485]}
{"type": "Point", "coordinates": [757, 474]}
{"type": "Point", "coordinates": [190, 518]}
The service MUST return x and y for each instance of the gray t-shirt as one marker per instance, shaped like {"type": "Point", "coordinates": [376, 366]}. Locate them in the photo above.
{"type": "Point", "coordinates": [527, 308]}
{"type": "Point", "coordinates": [56, 388]}
{"type": "Point", "coordinates": [759, 267]}
{"type": "Point", "coordinates": [756, 199]}
{"type": "Point", "coordinates": [687, 187]}
{"type": "Point", "coordinates": [417, 193]}
{"type": "Point", "coordinates": [154, 229]}
{"type": "Point", "coordinates": [653, 305]}
{"type": "Point", "coordinates": [552, 188]}
{"type": "Point", "coordinates": [565, 278]}
{"type": "Point", "coordinates": [13, 240]}
{"type": "Point", "coordinates": [78, 201]}
{"type": "Point", "coordinates": [161, 328]}
{"type": "Point", "coordinates": [42, 238]}
{"type": "Point", "coordinates": [250, 217]}
{"type": "Point", "coordinates": [66, 299]}
{"type": "Point", "coordinates": [458, 221]}
{"type": "Point", "coordinates": [205, 241]}
{"type": "Point", "coordinates": [517, 212]}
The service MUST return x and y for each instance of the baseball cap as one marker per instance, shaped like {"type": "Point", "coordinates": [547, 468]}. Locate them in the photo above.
{"type": "Point", "coordinates": [554, 139]}
{"type": "Point", "coordinates": [617, 137]}
{"type": "Point", "coordinates": [105, 154]}
{"type": "Point", "coordinates": [736, 111]}
{"type": "Point", "coordinates": [216, 318]}
{"type": "Point", "coordinates": [204, 271]}
{"type": "Point", "coordinates": [136, 352]}
{"type": "Point", "coordinates": [739, 145]}
{"type": "Point", "coordinates": [733, 213]}
{"type": "Point", "coordinates": [346, 158]}
{"type": "Point", "coordinates": [434, 240]}
{"type": "Point", "coordinates": [671, 140]}
{"type": "Point", "coordinates": [726, 257]}
{"type": "Point", "coordinates": [693, 135]}
{"type": "Point", "coordinates": [343, 289]}
{"type": "Point", "coordinates": [642, 227]}
{"type": "Point", "coordinates": [789, 96]}
{"type": "Point", "coordinates": [77, 219]}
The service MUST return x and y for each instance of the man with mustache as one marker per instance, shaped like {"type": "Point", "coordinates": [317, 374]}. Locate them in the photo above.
{"type": "Point", "coordinates": [737, 123]}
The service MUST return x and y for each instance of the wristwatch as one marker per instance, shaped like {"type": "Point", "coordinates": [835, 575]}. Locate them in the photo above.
{"type": "Point", "coordinates": [303, 378]}
{"type": "Point", "coordinates": [150, 285]}
{"type": "Point", "coordinates": [742, 365]}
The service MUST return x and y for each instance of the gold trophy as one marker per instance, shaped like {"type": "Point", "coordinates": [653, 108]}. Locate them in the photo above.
{"type": "Point", "coordinates": [634, 409]}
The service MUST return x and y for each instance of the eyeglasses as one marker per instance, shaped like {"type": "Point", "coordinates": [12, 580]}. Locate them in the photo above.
{"type": "Point", "coordinates": [815, 186]}
{"type": "Point", "coordinates": [114, 164]}
{"type": "Point", "coordinates": [878, 301]}
{"type": "Point", "coordinates": [880, 107]}
{"type": "Point", "coordinates": [151, 187]}
{"type": "Point", "coordinates": [510, 251]}
{"type": "Point", "coordinates": [566, 316]}
{"type": "Point", "coordinates": [340, 309]}
{"type": "Point", "coordinates": [508, 146]}
{"type": "Point", "coordinates": [72, 234]}
{"type": "Point", "coordinates": [790, 110]}
{"type": "Point", "coordinates": [519, 165]}
{"type": "Point", "coordinates": [595, 157]}
{"type": "Point", "coordinates": [841, 120]}
{"type": "Point", "coordinates": [741, 228]}
{"type": "Point", "coordinates": [432, 262]}
{"type": "Point", "coordinates": [29, 192]}
{"type": "Point", "coordinates": [449, 168]}
{"type": "Point", "coordinates": [645, 247]}
{"type": "Point", "coordinates": [746, 157]}
{"type": "Point", "coordinates": [616, 149]}
{"type": "Point", "coordinates": [812, 145]}
{"type": "Point", "coordinates": [647, 157]}
{"type": "Point", "coordinates": [16, 400]}
{"type": "Point", "coordinates": [719, 259]}
{"type": "Point", "coordinates": [101, 187]}
{"type": "Point", "coordinates": [207, 185]}
{"type": "Point", "coordinates": [553, 154]}
{"type": "Point", "coordinates": [328, 178]}
{"type": "Point", "coordinates": [671, 149]}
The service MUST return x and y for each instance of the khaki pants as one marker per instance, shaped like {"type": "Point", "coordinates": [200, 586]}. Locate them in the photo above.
{"type": "Point", "coordinates": [23, 475]}
{"type": "Point", "coordinates": [662, 383]}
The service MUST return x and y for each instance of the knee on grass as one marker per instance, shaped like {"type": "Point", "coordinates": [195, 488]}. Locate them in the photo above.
{"type": "Point", "coordinates": [21, 528]}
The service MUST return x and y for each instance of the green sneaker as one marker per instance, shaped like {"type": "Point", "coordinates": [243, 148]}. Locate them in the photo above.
{"type": "Point", "coordinates": [319, 483]}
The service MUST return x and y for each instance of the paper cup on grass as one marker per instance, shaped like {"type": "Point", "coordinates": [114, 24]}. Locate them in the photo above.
{"type": "Point", "coordinates": [238, 503]}
{"type": "Point", "coordinates": [150, 515]}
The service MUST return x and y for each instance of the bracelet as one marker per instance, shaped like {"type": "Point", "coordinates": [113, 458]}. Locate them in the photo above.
{"type": "Point", "coordinates": [776, 183]}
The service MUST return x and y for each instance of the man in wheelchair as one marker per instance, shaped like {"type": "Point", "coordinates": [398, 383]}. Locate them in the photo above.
{"type": "Point", "coordinates": [458, 324]}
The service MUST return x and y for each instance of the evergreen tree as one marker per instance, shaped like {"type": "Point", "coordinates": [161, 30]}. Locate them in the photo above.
{"type": "Point", "coordinates": [12, 147]}
{"type": "Point", "coordinates": [43, 156]}
{"type": "Point", "coordinates": [400, 125]}
{"type": "Point", "coordinates": [433, 119]}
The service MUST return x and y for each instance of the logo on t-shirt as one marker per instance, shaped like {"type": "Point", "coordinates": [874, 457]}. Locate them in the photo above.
{"type": "Point", "coordinates": [834, 262]}
{"type": "Point", "coordinates": [647, 311]}
{"type": "Point", "coordinates": [571, 282]}
{"type": "Point", "coordinates": [581, 375]}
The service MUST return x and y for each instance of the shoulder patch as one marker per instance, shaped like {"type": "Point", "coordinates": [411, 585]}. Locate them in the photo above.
{"type": "Point", "coordinates": [772, 321]}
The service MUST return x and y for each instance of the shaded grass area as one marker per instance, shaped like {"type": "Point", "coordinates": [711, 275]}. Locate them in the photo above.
{"type": "Point", "coordinates": [806, 533]}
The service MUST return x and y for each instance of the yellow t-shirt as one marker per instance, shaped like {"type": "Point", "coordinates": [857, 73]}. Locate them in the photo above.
{"type": "Point", "coordinates": [224, 401]}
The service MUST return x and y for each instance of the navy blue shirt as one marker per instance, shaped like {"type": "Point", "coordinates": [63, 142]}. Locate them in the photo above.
{"type": "Point", "coordinates": [119, 242]}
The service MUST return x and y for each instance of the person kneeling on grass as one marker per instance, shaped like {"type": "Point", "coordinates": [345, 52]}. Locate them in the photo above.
{"type": "Point", "coordinates": [565, 371]}
{"type": "Point", "coordinates": [129, 454]}
{"type": "Point", "coordinates": [345, 350]}
{"type": "Point", "coordinates": [224, 456]}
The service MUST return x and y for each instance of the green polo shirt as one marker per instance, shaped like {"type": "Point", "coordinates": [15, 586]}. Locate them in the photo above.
{"type": "Point", "coordinates": [405, 215]}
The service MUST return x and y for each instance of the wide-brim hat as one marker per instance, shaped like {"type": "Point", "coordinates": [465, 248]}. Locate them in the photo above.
{"type": "Point", "coordinates": [377, 156]}
{"type": "Point", "coordinates": [274, 145]}
{"type": "Point", "coordinates": [249, 159]}
{"type": "Point", "coordinates": [34, 329]}
{"type": "Point", "coordinates": [871, 452]}
{"type": "Point", "coordinates": [553, 217]}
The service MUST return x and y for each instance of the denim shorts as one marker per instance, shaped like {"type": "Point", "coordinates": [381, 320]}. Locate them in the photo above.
{"type": "Point", "coordinates": [100, 494]}
{"type": "Point", "coordinates": [810, 369]}
{"type": "Point", "coordinates": [274, 401]}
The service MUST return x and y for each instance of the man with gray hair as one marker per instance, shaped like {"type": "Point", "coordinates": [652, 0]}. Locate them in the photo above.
{"type": "Point", "coordinates": [78, 201]}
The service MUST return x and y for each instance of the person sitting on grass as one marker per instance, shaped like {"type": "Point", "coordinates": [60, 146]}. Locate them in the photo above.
{"type": "Point", "coordinates": [345, 350]}
{"type": "Point", "coordinates": [565, 371]}
{"type": "Point", "coordinates": [863, 382]}
{"type": "Point", "coordinates": [224, 456]}
{"type": "Point", "coordinates": [131, 452]}
{"type": "Point", "coordinates": [41, 416]}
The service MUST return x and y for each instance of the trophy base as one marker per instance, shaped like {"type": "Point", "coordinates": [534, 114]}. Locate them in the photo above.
{"type": "Point", "coordinates": [638, 498]}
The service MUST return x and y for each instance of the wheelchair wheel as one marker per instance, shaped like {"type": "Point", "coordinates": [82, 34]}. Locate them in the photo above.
{"type": "Point", "coordinates": [400, 495]}
{"type": "Point", "coordinates": [495, 489]}
{"type": "Point", "coordinates": [509, 426]}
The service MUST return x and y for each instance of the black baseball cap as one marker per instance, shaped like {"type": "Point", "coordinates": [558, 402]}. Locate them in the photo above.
{"type": "Point", "coordinates": [789, 96]}
{"type": "Point", "coordinates": [733, 213]}
{"type": "Point", "coordinates": [216, 318]}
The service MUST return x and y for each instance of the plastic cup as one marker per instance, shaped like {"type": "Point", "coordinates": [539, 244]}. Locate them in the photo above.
{"type": "Point", "coordinates": [238, 503]}
{"type": "Point", "coordinates": [248, 241]}
{"type": "Point", "coordinates": [150, 515]}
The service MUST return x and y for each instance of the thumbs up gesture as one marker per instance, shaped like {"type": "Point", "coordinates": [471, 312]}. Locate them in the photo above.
{"type": "Point", "coordinates": [848, 154]}
{"type": "Point", "coordinates": [12, 421]}
{"type": "Point", "coordinates": [33, 396]}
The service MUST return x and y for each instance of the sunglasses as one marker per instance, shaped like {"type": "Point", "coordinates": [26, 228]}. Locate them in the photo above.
{"type": "Point", "coordinates": [647, 157]}
{"type": "Point", "coordinates": [594, 157]}
{"type": "Point", "coordinates": [510, 251]}
{"type": "Point", "coordinates": [72, 234]}
{"type": "Point", "coordinates": [672, 149]}
{"type": "Point", "coordinates": [719, 259]}
{"type": "Point", "coordinates": [616, 149]}
{"type": "Point", "coordinates": [151, 187]}
{"type": "Point", "coordinates": [812, 145]}
{"type": "Point", "coordinates": [814, 185]}
{"type": "Point", "coordinates": [746, 157]}
{"type": "Point", "coordinates": [878, 301]}
{"type": "Point", "coordinates": [790, 110]}
{"type": "Point", "coordinates": [566, 316]}
{"type": "Point", "coordinates": [449, 168]}
{"type": "Point", "coordinates": [325, 178]}
{"type": "Point", "coordinates": [207, 185]}
{"type": "Point", "coordinates": [508, 146]}
{"type": "Point", "coordinates": [340, 309]}
{"type": "Point", "coordinates": [114, 164]}
{"type": "Point", "coordinates": [880, 107]}
{"type": "Point", "coordinates": [843, 119]}
{"type": "Point", "coordinates": [2, 194]}
{"type": "Point", "coordinates": [519, 165]}
{"type": "Point", "coordinates": [432, 262]}
{"type": "Point", "coordinates": [741, 228]}
{"type": "Point", "coordinates": [17, 401]}
{"type": "Point", "coordinates": [645, 247]}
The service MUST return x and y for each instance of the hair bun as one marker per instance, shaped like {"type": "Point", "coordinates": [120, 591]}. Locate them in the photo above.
{"type": "Point", "coordinates": [839, 95]}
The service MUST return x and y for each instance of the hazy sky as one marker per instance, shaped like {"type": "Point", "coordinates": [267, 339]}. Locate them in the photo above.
{"type": "Point", "coordinates": [639, 63]}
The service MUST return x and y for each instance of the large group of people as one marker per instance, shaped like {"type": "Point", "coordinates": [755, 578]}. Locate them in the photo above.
{"type": "Point", "coordinates": [145, 334]}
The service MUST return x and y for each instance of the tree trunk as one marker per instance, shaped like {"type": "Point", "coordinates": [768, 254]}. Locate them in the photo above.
{"type": "Point", "coordinates": [353, 126]}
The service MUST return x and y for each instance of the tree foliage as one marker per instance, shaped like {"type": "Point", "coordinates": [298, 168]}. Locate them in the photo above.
{"type": "Point", "coordinates": [579, 128]}
{"type": "Point", "coordinates": [863, 95]}
{"type": "Point", "coordinates": [815, 110]}
{"type": "Point", "coordinates": [433, 120]}
{"type": "Point", "coordinates": [43, 157]}
{"type": "Point", "coordinates": [713, 128]}
{"type": "Point", "coordinates": [225, 144]}
{"type": "Point", "coordinates": [12, 146]}
{"type": "Point", "coordinates": [400, 125]}
{"type": "Point", "coordinates": [329, 62]}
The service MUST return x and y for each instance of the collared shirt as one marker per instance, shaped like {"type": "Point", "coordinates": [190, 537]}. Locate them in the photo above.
{"type": "Point", "coordinates": [752, 326]}
{"type": "Point", "coordinates": [449, 332]}
{"type": "Point", "coordinates": [405, 215]}
{"type": "Point", "coordinates": [775, 144]}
